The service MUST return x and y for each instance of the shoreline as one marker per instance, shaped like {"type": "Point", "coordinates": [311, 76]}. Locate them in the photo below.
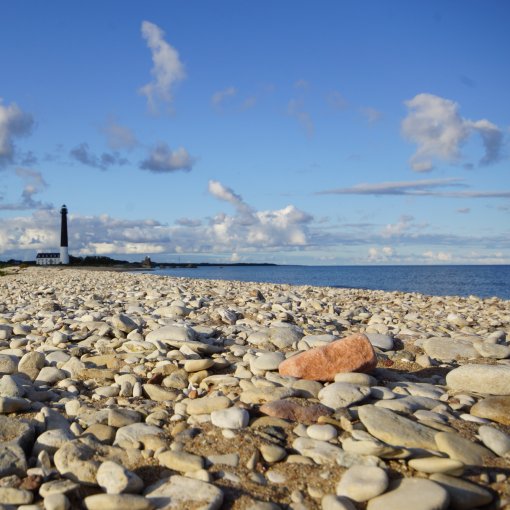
{"type": "Point", "coordinates": [177, 379]}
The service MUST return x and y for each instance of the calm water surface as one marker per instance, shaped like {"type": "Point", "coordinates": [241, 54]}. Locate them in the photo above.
{"type": "Point", "coordinates": [482, 281]}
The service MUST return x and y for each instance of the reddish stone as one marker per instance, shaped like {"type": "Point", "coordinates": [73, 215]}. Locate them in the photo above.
{"type": "Point", "coordinates": [290, 410]}
{"type": "Point", "coordinates": [352, 354]}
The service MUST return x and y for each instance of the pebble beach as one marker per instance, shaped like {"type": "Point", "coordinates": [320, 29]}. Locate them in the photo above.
{"type": "Point", "coordinates": [137, 391]}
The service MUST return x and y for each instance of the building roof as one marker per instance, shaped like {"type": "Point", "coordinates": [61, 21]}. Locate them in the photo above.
{"type": "Point", "coordinates": [47, 255]}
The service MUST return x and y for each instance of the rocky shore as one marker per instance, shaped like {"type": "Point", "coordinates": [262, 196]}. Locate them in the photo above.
{"type": "Point", "coordinates": [135, 391]}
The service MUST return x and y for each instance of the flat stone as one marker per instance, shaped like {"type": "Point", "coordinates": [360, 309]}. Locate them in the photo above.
{"type": "Point", "coordinates": [178, 492]}
{"type": "Point", "coordinates": [332, 502]}
{"type": "Point", "coordinates": [458, 448]}
{"type": "Point", "coordinates": [159, 394]}
{"type": "Point", "coordinates": [267, 361]}
{"type": "Point", "coordinates": [195, 365]}
{"type": "Point", "coordinates": [415, 493]}
{"type": "Point", "coordinates": [494, 351]}
{"type": "Point", "coordinates": [232, 418]}
{"type": "Point", "coordinates": [50, 375]}
{"type": "Point", "coordinates": [11, 496]}
{"type": "Point", "coordinates": [463, 494]}
{"type": "Point", "coordinates": [291, 410]}
{"type": "Point", "coordinates": [361, 483]}
{"type": "Point", "coordinates": [322, 432]}
{"type": "Point", "coordinates": [117, 502]}
{"type": "Point", "coordinates": [342, 394]}
{"type": "Point", "coordinates": [136, 431]}
{"type": "Point", "coordinates": [124, 323]}
{"type": "Point", "coordinates": [116, 479]}
{"type": "Point", "coordinates": [485, 379]}
{"type": "Point", "coordinates": [103, 433]}
{"type": "Point", "coordinates": [383, 342]}
{"type": "Point", "coordinates": [206, 405]}
{"type": "Point", "coordinates": [395, 429]}
{"type": "Point", "coordinates": [447, 349]}
{"type": "Point", "coordinates": [356, 378]}
{"type": "Point", "coordinates": [352, 354]}
{"type": "Point", "coordinates": [321, 452]}
{"type": "Point", "coordinates": [181, 461]}
{"type": "Point", "coordinates": [58, 487]}
{"type": "Point", "coordinates": [173, 332]}
{"type": "Point", "coordinates": [495, 440]}
{"type": "Point", "coordinates": [436, 465]}
{"type": "Point", "coordinates": [13, 405]}
{"type": "Point", "coordinates": [493, 408]}
{"type": "Point", "coordinates": [284, 335]}
{"type": "Point", "coordinates": [51, 440]}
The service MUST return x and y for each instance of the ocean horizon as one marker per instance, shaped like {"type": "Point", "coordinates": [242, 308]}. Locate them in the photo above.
{"type": "Point", "coordinates": [483, 281]}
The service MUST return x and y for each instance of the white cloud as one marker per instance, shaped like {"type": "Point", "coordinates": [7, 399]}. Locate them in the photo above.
{"type": "Point", "coordinates": [435, 125]}
{"type": "Point", "coordinates": [119, 137]}
{"type": "Point", "coordinates": [162, 159]}
{"type": "Point", "coordinates": [464, 210]}
{"type": "Point", "coordinates": [394, 230]}
{"type": "Point", "coordinates": [221, 95]}
{"type": "Point", "coordinates": [384, 254]}
{"type": "Point", "coordinates": [167, 68]}
{"type": "Point", "coordinates": [439, 256]}
{"type": "Point", "coordinates": [337, 101]}
{"type": "Point", "coordinates": [14, 123]}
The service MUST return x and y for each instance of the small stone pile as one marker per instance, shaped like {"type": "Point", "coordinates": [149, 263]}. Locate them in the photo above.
{"type": "Point", "coordinates": [134, 391]}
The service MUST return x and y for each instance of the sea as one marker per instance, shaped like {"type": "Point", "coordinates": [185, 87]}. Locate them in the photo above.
{"type": "Point", "coordinates": [481, 281]}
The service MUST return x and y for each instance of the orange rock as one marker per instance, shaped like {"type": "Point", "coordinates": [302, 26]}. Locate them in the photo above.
{"type": "Point", "coordinates": [352, 354]}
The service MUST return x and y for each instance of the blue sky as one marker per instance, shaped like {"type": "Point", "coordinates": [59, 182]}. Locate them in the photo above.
{"type": "Point", "coordinates": [332, 132]}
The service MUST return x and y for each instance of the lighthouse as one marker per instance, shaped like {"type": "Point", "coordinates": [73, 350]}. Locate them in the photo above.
{"type": "Point", "coordinates": [64, 250]}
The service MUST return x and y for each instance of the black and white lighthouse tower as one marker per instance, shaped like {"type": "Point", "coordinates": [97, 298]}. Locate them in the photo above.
{"type": "Point", "coordinates": [64, 250]}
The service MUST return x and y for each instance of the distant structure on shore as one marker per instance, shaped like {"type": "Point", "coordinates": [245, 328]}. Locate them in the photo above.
{"type": "Point", "coordinates": [53, 258]}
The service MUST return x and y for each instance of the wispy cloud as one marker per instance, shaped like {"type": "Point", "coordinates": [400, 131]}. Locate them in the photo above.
{"type": "Point", "coordinates": [435, 125]}
{"type": "Point", "coordinates": [119, 137]}
{"type": "Point", "coordinates": [162, 159]}
{"type": "Point", "coordinates": [14, 123]}
{"type": "Point", "coordinates": [167, 68]}
{"type": "Point", "coordinates": [337, 101]}
{"type": "Point", "coordinates": [106, 160]}
{"type": "Point", "coordinates": [219, 97]}
{"type": "Point", "coordinates": [34, 184]}
{"type": "Point", "coordinates": [424, 187]}
{"type": "Point", "coordinates": [296, 109]}
{"type": "Point", "coordinates": [371, 114]}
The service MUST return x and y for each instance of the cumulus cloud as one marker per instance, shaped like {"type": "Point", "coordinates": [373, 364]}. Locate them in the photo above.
{"type": "Point", "coordinates": [162, 159]}
{"type": "Point", "coordinates": [14, 123]}
{"type": "Point", "coordinates": [167, 68]}
{"type": "Point", "coordinates": [435, 125]}
{"type": "Point", "coordinates": [423, 187]}
{"type": "Point", "coordinates": [106, 160]}
{"type": "Point", "coordinates": [384, 254]}
{"type": "Point", "coordinates": [404, 224]}
{"type": "Point", "coordinates": [296, 109]}
{"type": "Point", "coordinates": [34, 183]}
{"type": "Point", "coordinates": [219, 97]}
{"type": "Point", "coordinates": [119, 137]}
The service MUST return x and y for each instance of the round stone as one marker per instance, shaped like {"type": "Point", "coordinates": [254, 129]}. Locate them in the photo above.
{"type": "Point", "coordinates": [232, 418]}
{"type": "Point", "coordinates": [361, 483]}
{"type": "Point", "coordinates": [324, 432]}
